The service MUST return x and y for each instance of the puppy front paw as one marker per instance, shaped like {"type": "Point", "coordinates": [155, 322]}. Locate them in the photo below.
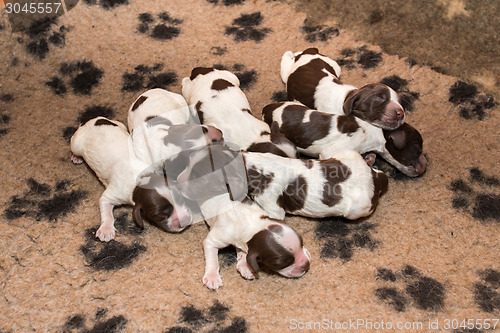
{"type": "Point", "coordinates": [105, 233]}
{"type": "Point", "coordinates": [244, 270]}
{"type": "Point", "coordinates": [212, 280]}
{"type": "Point", "coordinates": [76, 159]}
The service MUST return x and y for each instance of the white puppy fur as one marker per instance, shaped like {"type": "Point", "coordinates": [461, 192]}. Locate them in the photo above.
{"type": "Point", "coordinates": [216, 98]}
{"type": "Point", "coordinates": [104, 145]}
{"type": "Point", "coordinates": [341, 186]}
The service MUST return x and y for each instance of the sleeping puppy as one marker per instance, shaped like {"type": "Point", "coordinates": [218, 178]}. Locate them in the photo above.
{"type": "Point", "coordinates": [322, 134]}
{"type": "Point", "coordinates": [341, 186]}
{"type": "Point", "coordinates": [103, 145]}
{"type": "Point", "coordinates": [216, 98]}
{"type": "Point", "coordinates": [216, 178]}
{"type": "Point", "coordinates": [313, 79]}
{"type": "Point", "coordinates": [161, 127]}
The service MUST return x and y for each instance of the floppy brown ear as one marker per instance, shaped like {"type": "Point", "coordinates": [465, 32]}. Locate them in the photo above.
{"type": "Point", "coordinates": [252, 261]}
{"type": "Point", "coordinates": [398, 138]}
{"type": "Point", "coordinates": [275, 128]}
{"type": "Point", "coordinates": [350, 102]}
{"type": "Point", "coordinates": [137, 216]}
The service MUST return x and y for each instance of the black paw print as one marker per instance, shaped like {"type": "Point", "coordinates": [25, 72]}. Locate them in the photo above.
{"type": "Point", "coordinates": [83, 76]}
{"type": "Point", "coordinates": [227, 3]}
{"type": "Point", "coordinates": [148, 77]}
{"type": "Point", "coordinates": [113, 255]}
{"type": "Point", "coordinates": [400, 85]}
{"type": "Point", "coordinates": [365, 58]}
{"type": "Point", "coordinates": [43, 33]}
{"type": "Point", "coordinates": [280, 96]}
{"type": "Point", "coordinates": [487, 291]}
{"type": "Point", "coordinates": [165, 30]}
{"type": "Point", "coordinates": [480, 202]}
{"type": "Point", "coordinates": [320, 33]}
{"type": "Point", "coordinates": [89, 113]}
{"type": "Point", "coordinates": [77, 323]}
{"type": "Point", "coordinates": [247, 77]}
{"type": "Point", "coordinates": [214, 319]}
{"type": "Point", "coordinates": [472, 103]}
{"type": "Point", "coordinates": [43, 201]}
{"type": "Point", "coordinates": [106, 4]}
{"type": "Point", "coordinates": [5, 118]}
{"type": "Point", "coordinates": [424, 292]}
{"type": "Point", "coordinates": [246, 28]}
{"type": "Point", "coordinates": [340, 238]}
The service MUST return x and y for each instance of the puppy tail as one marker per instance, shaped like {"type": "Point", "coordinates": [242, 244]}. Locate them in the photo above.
{"type": "Point", "coordinates": [287, 62]}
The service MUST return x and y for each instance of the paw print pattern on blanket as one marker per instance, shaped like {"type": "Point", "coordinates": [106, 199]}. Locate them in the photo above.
{"type": "Point", "coordinates": [362, 56]}
{"type": "Point", "coordinates": [114, 254]}
{"type": "Point", "coordinates": [148, 77]}
{"type": "Point", "coordinates": [340, 238]}
{"type": "Point", "coordinates": [319, 33]}
{"type": "Point", "coordinates": [4, 117]}
{"type": "Point", "coordinates": [43, 34]}
{"type": "Point", "coordinates": [42, 201]}
{"type": "Point", "coordinates": [167, 29]}
{"type": "Point", "coordinates": [476, 195]}
{"type": "Point", "coordinates": [409, 287]}
{"type": "Point", "coordinates": [89, 113]}
{"type": "Point", "coordinates": [400, 85]}
{"type": "Point", "coordinates": [79, 324]}
{"type": "Point", "coordinates": [82, 75]}
{"type": "Point", "coordinates": [212, 319]}
{"type": "Point", "coordinates": [471, 103]}
{"type": "Point", "coordinates": [487, 291]}
{"type": "Point", "coordinates": [227, 3]}
{"type": "Point", "coordinates": [246, 27]}
{"type": "Point", "coordinates": [247, 77]}
{"type": "Point", "coordinates": [106, 4]}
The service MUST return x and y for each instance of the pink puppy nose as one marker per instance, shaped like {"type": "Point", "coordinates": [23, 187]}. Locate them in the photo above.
{"type": "Point", "coordinates": [399, 114]}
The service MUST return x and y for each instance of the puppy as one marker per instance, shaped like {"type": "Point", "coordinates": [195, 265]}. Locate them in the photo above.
{"type": "Point", "coordinates": [322, 134]}
{"type": "Point", "coordinates": [216, 98]}
{"type": "Point", "coordinates": [161, 127]}
{"type": "Point", "coordinates": [103, 145]}
{"type": "Point", "coordinates": [341, 186]}
{"type": "Point", "coordinates": [313, 79]}
{"type": "Point", "coordinates": [216, 178]}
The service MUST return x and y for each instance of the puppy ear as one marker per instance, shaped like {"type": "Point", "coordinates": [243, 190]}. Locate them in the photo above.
{"type": "Point", "coordinates": [398, 139]}
{"type": "Point", "coordinates": [252, 261]}
{"type": "Point", "coordinates": [350, 102]}
{"type": "Point", "coordinates": [275, 128]}
{"type": "Point", "coordinates": [137, 216]}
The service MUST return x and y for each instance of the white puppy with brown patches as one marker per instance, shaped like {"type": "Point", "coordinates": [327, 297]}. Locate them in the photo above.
{"type": "Point", "coordinates": [216, 98]}
{"type": "Point", "coordinates": [104, 145]}
{"type": "Point", "coordinates": [215, 177]}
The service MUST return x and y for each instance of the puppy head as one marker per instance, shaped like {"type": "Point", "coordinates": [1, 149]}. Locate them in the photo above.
{"type": "Point", "coordinates": [211, 171]}
{"type": "Point", "coordinates": [376, 104]}
{"type": "Point", "coordinates": [278, 248]}
{"type": "Point", "coordinates": [405, 145]}
{"type": "Point", "coordinates": [278, 144]}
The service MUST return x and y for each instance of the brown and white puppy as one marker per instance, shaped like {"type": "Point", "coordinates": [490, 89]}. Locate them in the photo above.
{"type": "Point", "coordinates": [216, 178]}
{"type": "Point", "coordinates": [216, 98]}
{"type": "Point", "coordinates": [103, 145]}
{"type": "Point", "coordinates": [313, 79]}
{"type": "Point", "coordinates": [323, 135]}
{"type": "Point", "coordinates": [341, 186]}
{"type": "Point", "coordinates": [161, 127]}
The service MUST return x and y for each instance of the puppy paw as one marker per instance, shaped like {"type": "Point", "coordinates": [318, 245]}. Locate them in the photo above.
{"type": "Point", "coordinates": [212, 280]}
{"type": "Point", "coordinates": [105, 233]}
{"type": "Point", "coordinates": [245, 271]}
{"type": "Point", "coordinates": [76, 159]}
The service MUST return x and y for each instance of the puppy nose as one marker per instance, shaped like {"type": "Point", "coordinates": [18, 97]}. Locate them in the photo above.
{"type": "Point", "coordinates": [399, 113]}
